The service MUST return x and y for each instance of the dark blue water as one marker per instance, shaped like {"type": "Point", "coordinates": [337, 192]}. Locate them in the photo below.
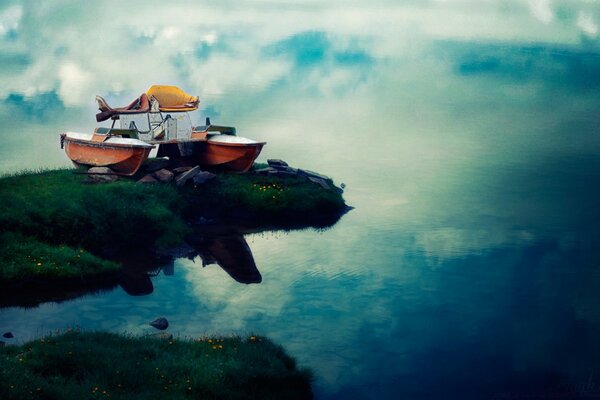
{"type": "Point", "coordinates": [467, 137]}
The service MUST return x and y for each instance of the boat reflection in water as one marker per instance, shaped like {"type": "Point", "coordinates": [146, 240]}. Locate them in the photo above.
{"type": "Point", "coordinates": [221, 245]}
{"type": "Point", "coordinates": [226, 247]}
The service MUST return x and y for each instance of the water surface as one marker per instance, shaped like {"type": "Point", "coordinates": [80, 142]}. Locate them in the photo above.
{"type": "Point", "coordinates": [466, 134]}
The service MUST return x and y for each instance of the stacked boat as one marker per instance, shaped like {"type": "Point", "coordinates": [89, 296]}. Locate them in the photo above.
{"type": "Point", "coordinates": [159, 117]}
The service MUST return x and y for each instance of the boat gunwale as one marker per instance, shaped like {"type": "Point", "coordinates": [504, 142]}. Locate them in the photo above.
{"type": "Point", "coordinates": [89, 143]}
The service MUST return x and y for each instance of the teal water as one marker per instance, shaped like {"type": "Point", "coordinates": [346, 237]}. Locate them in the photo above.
{"type": "Point", "coordinates": [466, 134]}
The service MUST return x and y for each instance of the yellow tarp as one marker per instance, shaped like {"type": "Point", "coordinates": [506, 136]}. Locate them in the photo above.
{"type": "Point", "coordinates": [171, 98]}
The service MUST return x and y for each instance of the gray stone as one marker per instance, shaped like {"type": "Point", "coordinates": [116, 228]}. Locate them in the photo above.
{"type": "Point", "coordinates": [265, 171]}
{"type": "Point", "coordinates": [147, 179]}
{"type": "Point", "coordinates": [8, 335]}
{"type": "Point", "coordinates": [179, 170]}
{"type": "Point", "coordinates": [186, 176]}
{"type": "Point", "coordinates": [160, 323]}
{"type": "Point", "coordinates": [202, 177]}
{"type": "Point", "coordinates": [164, 175]}
{"type": "Point", "coordinates": [101, 175]}
{"type": "Point", "coordinates": [157, 164]}
{"type": "Point", "coordinates": [276, 163]}
{"type": "Point", "coordinates": [161, 336]}
{"type": "Point", "coordinates": [307, 173]}
{"type": "Point", "coordinates": [320, 182]}
{"type": "Point", "coordinates": [284, 173]}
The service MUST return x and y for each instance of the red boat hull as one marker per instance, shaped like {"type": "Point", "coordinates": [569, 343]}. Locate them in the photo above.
{"type": "Point", "coordinates": [233, 156]}
{"type": "Point", "coordinates": [123, 159]}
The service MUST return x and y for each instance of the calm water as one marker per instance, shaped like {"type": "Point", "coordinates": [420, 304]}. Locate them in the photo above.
{"type": "Point", "coordinates": [467, 135]}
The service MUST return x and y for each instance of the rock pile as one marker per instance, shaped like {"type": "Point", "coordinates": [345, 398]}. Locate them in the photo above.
{"type": "Point", "coordinates": [282, 169]}
{"type": "Point", "coordinates": [163, 171]}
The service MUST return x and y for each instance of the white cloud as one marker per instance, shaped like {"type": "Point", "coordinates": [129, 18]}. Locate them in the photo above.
{"type": "Point", "coordinates": [587, 24]}
{"type": "Point", "coordinates": [542, 10]}
{"type": "Point", "coordinates": [10, 19]}
{"type": "Point", "coordinates": [74, 84]}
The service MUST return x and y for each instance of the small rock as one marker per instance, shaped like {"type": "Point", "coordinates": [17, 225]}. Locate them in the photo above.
{"type": "Point", "coordinates": [343, 185]}
{"type": "Point", "coordinates": [285, 173]}
{"type": "Point", "coordinates": [160, 323]}
{"type": "Point", "coordinates": [179, 170]}
{"type": "Point", "coordinates": [186, 176]}
{"type": "Point", "coordinates": [157, 164]}
{"type": "Point", "coordinates": [161, 335]}
{"type": "Point", "coordinates": [202, 177]}
{"type": "Point", "coordinates": [163, 175]}
{"type": "Point", "coordinates": [276, 163]}
{"type": "Point", "coordinates": [320, 182]}
{"type": "Point", "coordinates": [307, 173]}
{"type": "Point", "coordinates": [147, 179]}
{"type": "Point", "coordinates": [101, 175]}
{"type": "Point", "coordinates": [266, 171]}
{"type": "Point", "coordinates": [8, 335]}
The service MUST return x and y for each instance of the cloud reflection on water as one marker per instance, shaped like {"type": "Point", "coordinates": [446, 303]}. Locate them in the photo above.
{"type": "Point", "coordinates": [466, 132]}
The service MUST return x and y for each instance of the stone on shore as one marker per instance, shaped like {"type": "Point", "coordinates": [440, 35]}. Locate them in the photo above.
{"type": "Point", "coordinates": [179, 170]}
{"type": "Point", "coordinates": [321, 182]}
{"type": "Point", "coordinates": [8, 335]}
{"type": "Point", "coordinates": [147, 179]}
{"type": "Point", "coordinates": [186, 176]}
{"type": "Point", "coordinates": [156, 165]}
{"type": "Point", "coordinates": [276, 163]}
{"type": "Point", "coordinates": [202, 177]}
{"type": "Point", "coordinates": [307, 173]}
{"type": "Point", "coordinates": [101, 175]}
{"type": "Point", "coordinates": [160, 323]}
{"type": "Point", "coordinates": [164, 175]}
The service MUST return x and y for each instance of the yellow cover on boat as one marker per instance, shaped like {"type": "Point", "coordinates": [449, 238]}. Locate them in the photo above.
{"type": "Point", "coordinates": [171, 98]}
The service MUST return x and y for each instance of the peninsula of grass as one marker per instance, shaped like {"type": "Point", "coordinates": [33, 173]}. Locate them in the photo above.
{"type": "Point", "coordinates": [58, 228]}
{"type": "Point", "coordinates": [79, 365]}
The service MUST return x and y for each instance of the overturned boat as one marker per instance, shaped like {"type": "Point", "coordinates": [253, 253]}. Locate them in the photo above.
{"type": "Point", "coordinates": [119, 152]}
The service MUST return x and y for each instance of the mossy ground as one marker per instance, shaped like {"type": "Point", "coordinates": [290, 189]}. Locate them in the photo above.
{"type": "Point", "coordinates": [54, 225]}
{"type": "Point", "coordinates": [78, 365]}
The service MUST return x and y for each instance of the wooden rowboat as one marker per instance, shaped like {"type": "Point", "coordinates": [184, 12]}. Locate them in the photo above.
{"type": "Point", "coordinates": [122, 155]}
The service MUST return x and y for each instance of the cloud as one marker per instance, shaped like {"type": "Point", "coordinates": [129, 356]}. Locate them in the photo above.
{"type": "Point", "coordinates": [587, 24]}
{"type": "Point", "coordinates": [10, 18]}
{"type": "Point", "coordinates": [542, 10]}
{"type": "Point", "coordinates": [74, 84]}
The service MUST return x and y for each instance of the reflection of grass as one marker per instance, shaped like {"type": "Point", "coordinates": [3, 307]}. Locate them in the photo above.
{"type": "Point", "coordinates": [100, 365]}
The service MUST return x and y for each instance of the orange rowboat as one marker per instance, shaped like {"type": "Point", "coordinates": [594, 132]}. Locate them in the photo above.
{"type": "Point", "coordinates": [122, 155]}
{"type": "Point", "coordinates": [233, 152]}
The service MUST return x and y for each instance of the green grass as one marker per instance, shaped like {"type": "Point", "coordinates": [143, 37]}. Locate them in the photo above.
{"type": "Point", "coordinates": [77, 365]}
{"type": "Point", "coordinates": [25, 257]}
{"type": "Point", "coordinates": [71, 229]}
{"type": "Point", "coordinates": [284, 202]}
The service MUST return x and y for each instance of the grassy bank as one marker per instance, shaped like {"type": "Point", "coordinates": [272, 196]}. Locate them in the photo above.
{"type": "Point", "coordinates": [100, 365]}
{"type": "Point", "coordinates": [55, 226]}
